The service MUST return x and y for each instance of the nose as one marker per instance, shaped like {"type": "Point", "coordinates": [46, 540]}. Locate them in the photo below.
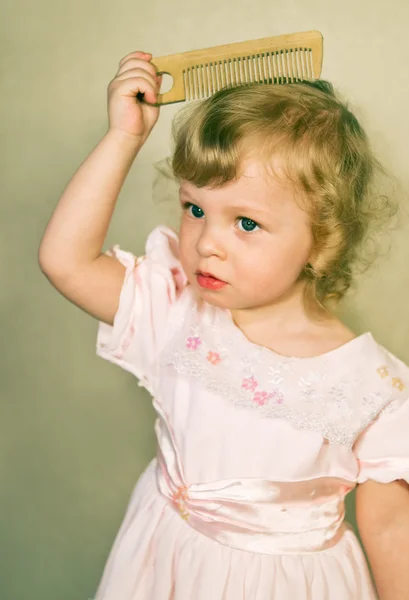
{"type": "Point", "coordinates": [210, 243]}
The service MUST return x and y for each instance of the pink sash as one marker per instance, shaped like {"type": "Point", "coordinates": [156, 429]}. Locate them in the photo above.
{"type": "Point", "coordinates": [254, 514]}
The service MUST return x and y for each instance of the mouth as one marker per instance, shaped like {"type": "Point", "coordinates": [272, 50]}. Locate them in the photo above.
{"type": "Point", "coordinates": [209, 281]}
{"type": "Point", "coordinates": [205, 274]}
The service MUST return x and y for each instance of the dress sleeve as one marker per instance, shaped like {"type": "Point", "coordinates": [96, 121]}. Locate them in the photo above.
{"type": "Point", "coordinates": [382, 450]}
{"type": "Point", "coordinates": [152, 284]}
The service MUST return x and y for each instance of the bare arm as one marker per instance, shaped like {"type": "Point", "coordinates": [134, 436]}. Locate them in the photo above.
{"type": "Point", "coordinates": [70, 250]}
{"type": "Point", "coordinates": [382, 512]}
{"type": "Point", "coordinates": [78, 226]}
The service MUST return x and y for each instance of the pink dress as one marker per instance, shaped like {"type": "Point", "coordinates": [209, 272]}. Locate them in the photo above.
{"type": "Point", "coordinates": [256, 451]}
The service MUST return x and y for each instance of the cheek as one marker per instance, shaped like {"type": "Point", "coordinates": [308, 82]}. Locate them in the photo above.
{"type": "Point", "coordinates": [253, 262]}
{"type": "Point", "coordinates": [186, 244]}
{"type": "Point", "coordinates": [278, 260]}
{"type": "Point", "coordinates": [187, 229]}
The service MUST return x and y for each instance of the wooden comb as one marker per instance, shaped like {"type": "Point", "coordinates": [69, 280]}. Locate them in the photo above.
{"type": "Point", "coordinates": [280, 59]}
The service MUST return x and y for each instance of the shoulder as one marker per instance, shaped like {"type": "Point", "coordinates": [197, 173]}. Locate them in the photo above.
{"type": "Point", "coordinates": [361, 381]}
{"type": "Point", "coordinates": [389, 369]}
{"type": "Point", "coordinates": [162, 246]}
{"type": "Point", "coordinates": [160, 266]}
{"type": "Point", "coordinates": [385, 380]}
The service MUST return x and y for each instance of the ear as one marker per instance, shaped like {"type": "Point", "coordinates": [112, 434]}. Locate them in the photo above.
{"type": "Point", "coordinates": [312, 257]}
{"type": "Point", "coordinates": [309, 265]}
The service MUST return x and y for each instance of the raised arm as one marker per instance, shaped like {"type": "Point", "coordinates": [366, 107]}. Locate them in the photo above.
{"type": "Point", "coordinates": [70, 250]}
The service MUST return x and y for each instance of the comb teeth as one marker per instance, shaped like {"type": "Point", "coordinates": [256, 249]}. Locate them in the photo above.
{"type": "Point", "coordinates": [284, 66]}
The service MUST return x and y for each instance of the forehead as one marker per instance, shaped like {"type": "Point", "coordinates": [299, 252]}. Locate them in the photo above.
{"type": "Point", "coordinates": [255, 187]}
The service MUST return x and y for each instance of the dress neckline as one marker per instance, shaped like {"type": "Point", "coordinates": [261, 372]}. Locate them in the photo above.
{"type": "Point", "coordinates": [353, 344]}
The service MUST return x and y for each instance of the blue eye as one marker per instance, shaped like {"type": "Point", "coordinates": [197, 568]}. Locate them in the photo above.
{"type": "Point", "coordinates": [247, 225]}
{"type": "Point", "coordinates": [195, 211]}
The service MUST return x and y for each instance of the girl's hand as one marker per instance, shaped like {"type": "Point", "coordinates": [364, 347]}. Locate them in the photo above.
{"type": "Point", "coordinates": [127, 113]}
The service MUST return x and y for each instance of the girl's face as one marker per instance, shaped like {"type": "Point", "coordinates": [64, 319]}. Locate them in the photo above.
{"type": "Point", "coordinates": [250, 234]}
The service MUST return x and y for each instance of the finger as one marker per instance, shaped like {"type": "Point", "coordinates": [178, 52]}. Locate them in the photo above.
{"type": "Point", "coordinates": [137, 54]}
{"type": "Point", "coordinates": [134, 73]}
{"type": "Point", "coordinates": [133, 63]}
{"type": "Point", "coordinates": [139, 85]}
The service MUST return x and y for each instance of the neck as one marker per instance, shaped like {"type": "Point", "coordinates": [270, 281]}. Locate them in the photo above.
{"type": "Point", "coordinates": [286, 313]}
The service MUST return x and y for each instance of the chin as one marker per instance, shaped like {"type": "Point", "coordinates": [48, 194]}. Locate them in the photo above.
{"type": "Point", "coordinates": [219, 300]}
{"type": "Point", "coordinates": [213, 298]}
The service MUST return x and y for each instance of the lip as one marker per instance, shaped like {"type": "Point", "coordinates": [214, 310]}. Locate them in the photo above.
{"type": "Point", "coordinates": [209, 281]}
{"type": "Point", "coordinates": [205, 274]}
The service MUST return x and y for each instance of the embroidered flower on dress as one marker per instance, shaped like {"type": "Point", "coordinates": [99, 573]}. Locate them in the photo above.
{"type": "Point", "coordinates": [398, 383]}
{"type": "Point", "coordinates": [213, 357]}
{"type": "Point", "coordinates": [338, 400]}
{"type": "Point", "coordinates": [262, 397]}
{"type": "Point", "coordinates": [249, 383]}
{"type": "Point", "coordinates": [278, 396]}
{"type": "Point", "coordinates": [193, 343]}
{"type": "Point", "coordinates": [383, 371]}
{"type": "Point", "coordinates": [275, 376]}
{"type": "Point", "coordinates": [180, 494]}
{"type": "Point", "coordinates": [179, 498]}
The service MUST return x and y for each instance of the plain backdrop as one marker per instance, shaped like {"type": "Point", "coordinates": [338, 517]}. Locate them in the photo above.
{"type": "Point", "coordinates": [76, 431]}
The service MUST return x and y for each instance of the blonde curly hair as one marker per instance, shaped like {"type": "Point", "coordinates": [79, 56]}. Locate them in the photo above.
{"type": "Point", "coordinates": [327, 157]}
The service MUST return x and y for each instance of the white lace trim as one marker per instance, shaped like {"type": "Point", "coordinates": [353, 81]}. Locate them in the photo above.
{"type": "Point", "coordinates": [208, 346]}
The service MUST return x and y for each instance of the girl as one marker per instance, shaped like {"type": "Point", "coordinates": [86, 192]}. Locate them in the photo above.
{"type": "Point", "coordinates": [269, 409]}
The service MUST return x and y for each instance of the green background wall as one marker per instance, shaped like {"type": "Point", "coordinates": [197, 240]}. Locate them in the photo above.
{"type": "Point", "coordinates": [76, 431]}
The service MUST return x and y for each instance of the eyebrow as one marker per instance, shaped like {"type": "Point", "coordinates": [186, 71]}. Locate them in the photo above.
{"type": "Point", "coordinates": [237, 208]}
{"type": "Point", "coordinates": [245, 209]}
